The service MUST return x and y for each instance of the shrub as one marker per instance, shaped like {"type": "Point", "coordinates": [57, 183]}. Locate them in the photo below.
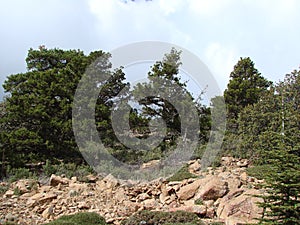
{"type": "Point", "coordinates": [199, 201]}
{"type": "Point", "coordinates": [79, 219]}
{"type": "Point", "coordinates": [154, 218]}
{"type": "Point", "coordinates": [182, 174]}
{"type": "Point", "coordinates": [49, 169]}
{"type": "Point", "coordinates": [3, 188]}
{"type": "Point", "coordinates": [15, 174]}
{"type": "Point", "coordinates": [67, 169]}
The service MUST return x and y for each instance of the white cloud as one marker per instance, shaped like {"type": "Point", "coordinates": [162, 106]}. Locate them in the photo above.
{"type": "Point", "coordinates": [221, 60]}
{"type": "Point", "coordinates": [170, 6]}
{"type": "Point", "coordinates": [120, 23]}
{"type": "Point", "coordinates": [218, 31]}
{"type": "Point", "coordinates": [208, 7]}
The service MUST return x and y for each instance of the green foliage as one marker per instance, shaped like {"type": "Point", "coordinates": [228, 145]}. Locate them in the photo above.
{"type": "Point", "coordinates": [182, 174]}
{"type": "Point", "coordinates": [275, 112]}
{"type": "Point", "coordinates": [17, 191]}
{"type": "Point", "coordinates": [15, 174]}
{"type": "Point", "coordinates": [3, 188]}
{"type": "Point", "coordinates": [79, 219]}
{"type": "Point", "coordinates": [217, 223]}
{"type": "Point", "coordinates": [37, 122]}
{"type": "Point", "coordinates": [244, 88]}
{"type": "Point", "coordinates": [49, 168]}
{"type": "Point", "coordinates": [281, 202]}
{"type": "Point", "coordinates": [199, 201]}
{"type": "Point", "coordinates": [67, 169]}
{"type": "Point", "coordinates": [258, 171]}
{"type": "Point", "coordinates": [155, 218]}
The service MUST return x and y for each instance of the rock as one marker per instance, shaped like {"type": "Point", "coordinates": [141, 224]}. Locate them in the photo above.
{"type": "Point", "coordinates": [56, 180]}
{"type": "Point", "coordinates": [45, 189]}
{"type": "Point", "coordinates": [188, 191]}
{"type": "Point", "coordinates": [78, 187]}
{"type": "Point", "coordinates": [209, 203]}
{"type": "Point", "coordinates": [47, 198]}
{"type": "Point", "coordinates": [74, 179]}
{"type": "Point", "coordinates": [91, 178]}
{"type": "Point", "coordinates": [150, 204]}
{"type": "Point", "coordinates": [10, 218]}
{"type": "Point", "coordinates": [213, 190]}
{"type": "Point", "coordinates": [164, 195]}
{"type": "Point", "coordinates": [150, 164]}
{"type": "Point", "coordinates": [244, 177]}
{"type": "Point", "coordinates": [25, 186]}
{"type": "Point", "coordinates": [233, 194]}
{"type": "Point", "coordinates": [8, 194]}
{"type": "Point", "coordinates": [143, 196]}
{"type": "Point", "coordinates": [111, 181]}
{"type": "Point", "coordinates": [72, 193]}
{"type": "Point", "coordinates": [48, 212]}
{"type": "Point", "coordinates": [210, 212]}
{"type": "Point", "coordinates": [242, 208]}
{"type": "Point", "coordinates": [195, 167]}
{"type": "Point", "coordinates": [116, 199]}
{"type": "Point", "coordinates": [227, 161]}
{"type": "Point", "coordinates": [83, 205]}
{"type": "Point", "coordinates": [243, 163]}
{"type": "Point", "coordinates": [234, 183]}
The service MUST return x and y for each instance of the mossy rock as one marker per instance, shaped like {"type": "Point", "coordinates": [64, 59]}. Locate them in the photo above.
{"type": "Point", "coordinates": [159, 218]}
{"type": "Point", "coordinates": [79, 219]}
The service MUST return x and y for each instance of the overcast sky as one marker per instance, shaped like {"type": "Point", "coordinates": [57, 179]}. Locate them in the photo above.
{"type": "Point", "coordinates": [219, 32]}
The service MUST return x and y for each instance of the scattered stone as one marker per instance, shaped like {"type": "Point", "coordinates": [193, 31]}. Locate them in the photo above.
{"type": "Point", "coordinates": [220, 194]}
{"type": "Point", "coordinates": [56, 180]}
{"type": "Point", "coordinates": [47, 212]}
{"type": "Point", "coordinates": [243, 163]}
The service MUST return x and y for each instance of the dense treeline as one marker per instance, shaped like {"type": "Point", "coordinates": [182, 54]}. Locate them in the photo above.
{"type": "Point", "coordinates": [36, 115]}
{"type": "Point", "coordinates": [263, 126]}
{"type": "Point", "coordinates": [262, 119]}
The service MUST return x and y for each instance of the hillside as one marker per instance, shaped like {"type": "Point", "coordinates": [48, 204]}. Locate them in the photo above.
{"type": "Point", "coordinates": [220, 194]}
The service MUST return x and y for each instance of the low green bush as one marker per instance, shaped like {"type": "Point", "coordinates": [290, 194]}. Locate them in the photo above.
{"type": "Point", "coordinates": [182, 174]}
{"type": "Point", "coordinates": [15, 174]}
{"type": "Point", "coordinates": [67, 169]}
{"type": "Point", "coordinates": [83, 218]}
{"type": "Point", "coordinates": [3, 188]}
{"type": "Point", "coordinates": [199, 201]}
{"type": "Point", "coordinates": [154, 218]}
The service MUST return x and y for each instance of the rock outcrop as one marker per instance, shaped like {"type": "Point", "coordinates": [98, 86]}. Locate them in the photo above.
{"type": "Point", "coordinates": [222, 194]}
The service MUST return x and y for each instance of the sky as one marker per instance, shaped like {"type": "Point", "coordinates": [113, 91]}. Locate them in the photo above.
{"type": "Point", "coordinates": [219, 32]}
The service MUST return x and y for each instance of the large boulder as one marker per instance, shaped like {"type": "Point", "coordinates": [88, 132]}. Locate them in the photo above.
{"type": "Point", "coordinates": [214, 189]}
{"type": "Point", "coordinates": [240, 207]}
{"type": "Point", "coordinates": [188, 191]}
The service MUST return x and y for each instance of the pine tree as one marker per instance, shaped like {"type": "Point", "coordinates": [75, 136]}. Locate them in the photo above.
{"type": "Point", "coordinates": [282, 182]}
{"type": "Point", "coordinates": [244, 88]}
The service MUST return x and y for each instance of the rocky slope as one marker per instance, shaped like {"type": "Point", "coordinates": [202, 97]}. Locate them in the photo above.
{"type": "Point", "coordinates": [222, 194]}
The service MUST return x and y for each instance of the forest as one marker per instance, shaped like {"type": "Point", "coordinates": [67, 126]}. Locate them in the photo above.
{"type": "Point", "coordinates": [262, 120]}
